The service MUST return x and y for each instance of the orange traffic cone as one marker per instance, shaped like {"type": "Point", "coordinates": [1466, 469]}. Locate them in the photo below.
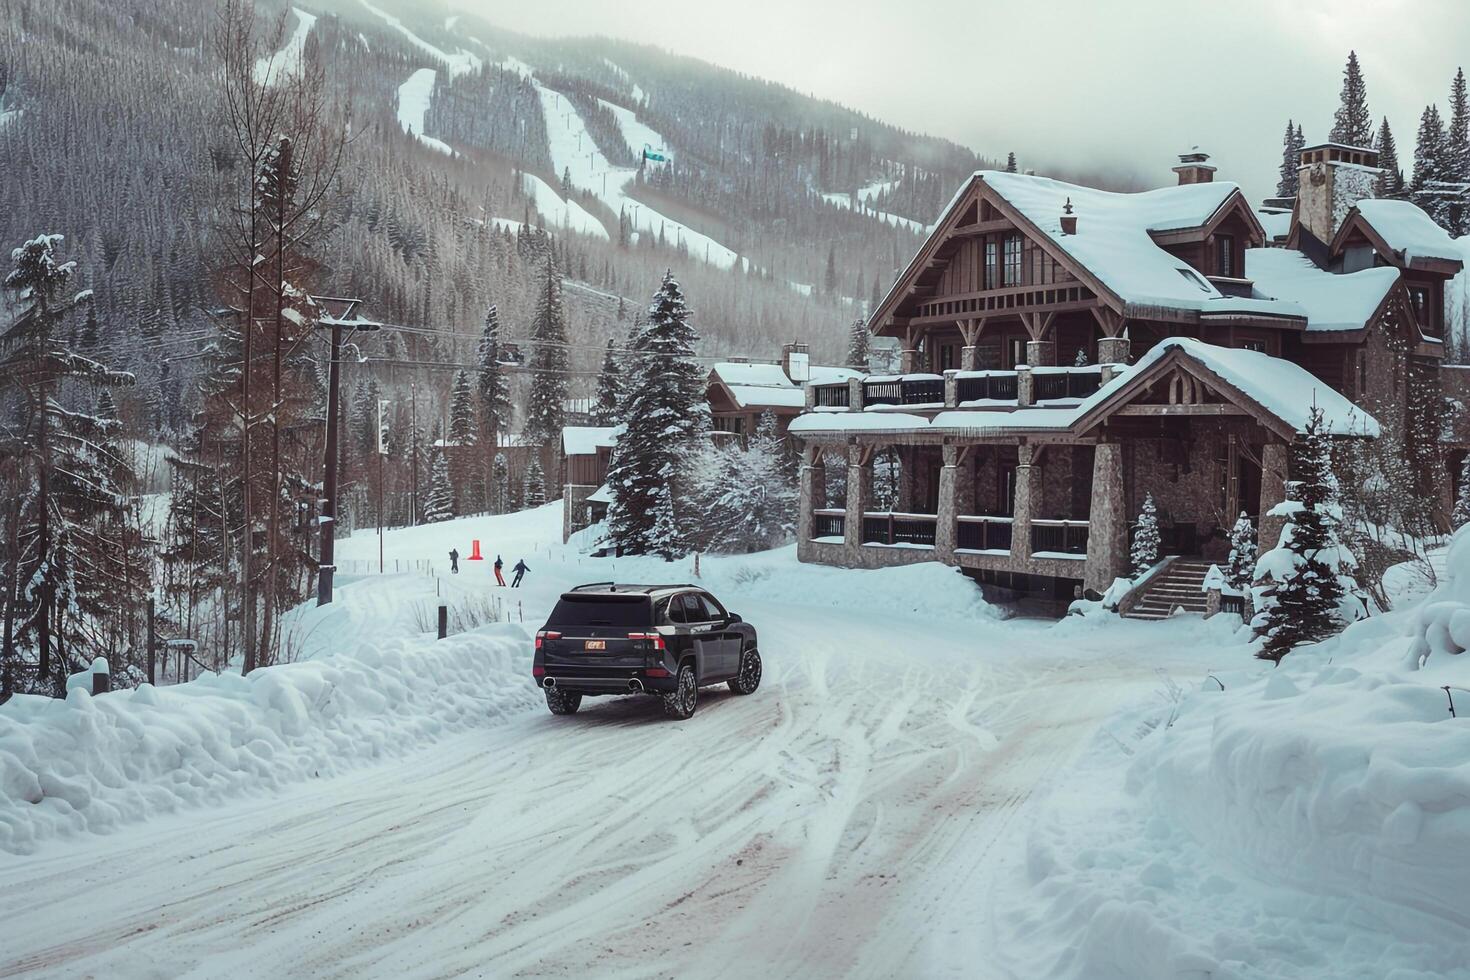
{"type": "Point", "coordinates": [475, 551]}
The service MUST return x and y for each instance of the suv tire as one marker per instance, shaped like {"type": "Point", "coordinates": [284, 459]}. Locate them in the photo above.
{"type": "Point", "coordinates": [748, 678]}
{"type": "Point", "coordinates": [562, 702]}
{"type": "Point", "coordinates": [681, 702]}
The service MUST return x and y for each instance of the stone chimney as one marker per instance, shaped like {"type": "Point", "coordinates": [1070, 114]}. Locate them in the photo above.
{"type": "Point", "coordinates": [1332, 178]}
{"type": "Point", "coordinates": [796, 362]}
{"type": "Point", "coordinates": [1069, 220]}
{"type": "Point", "coordinates": [1194, 167]}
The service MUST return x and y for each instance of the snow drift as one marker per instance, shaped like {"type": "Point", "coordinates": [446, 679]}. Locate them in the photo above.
{"type": "Point", "coordinates": [1311, 820]}
{"type": "Point", "coordinates": [96, 763]}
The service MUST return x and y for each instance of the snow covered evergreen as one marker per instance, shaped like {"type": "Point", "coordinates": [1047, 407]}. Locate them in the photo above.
{"type": "Point", "coordinates": [1291, 146]}
{"type": "Point", "coordinates": [1304, 586]}
{"type": "Point", "coordinates": [857, 344]}
{"type": "Point", "coordinates": [1353, 124]}
{"type": "Point", "coordinates": [665, 414]}
{"type": "Point", "coordinates": [1145, 552]}
{"type": "Point", "coordinates": [1241, 570]}
{"type": "Point", "coordinates": [492, 383]}
{"type": "Point", "coordinates": [534, 493]}
{"type": "Point", "coordinates": [440, 505]}
{"type": "Point", "coordinates": [1460, 515]}
{"type": "Point", "coordinates": [746, 495]}
{"type": "Point", "coordinates": [1391, 181]}
{"type": "Point", "coordinates": [462, 411]}
{"type": "Point", "coordinates": [607, 411]}
{"type": "Point", "coordinates": [546, 409]}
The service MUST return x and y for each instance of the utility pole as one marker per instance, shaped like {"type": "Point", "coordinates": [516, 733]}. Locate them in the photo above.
{"type": "Point", "coordinates": [413, 436]}
{"type": "Point", "coordinates": [326, 566]}
{"type": "Point", "coordinates": [382, 451]}
{"type": "Point", "coordinates": [152, 643]}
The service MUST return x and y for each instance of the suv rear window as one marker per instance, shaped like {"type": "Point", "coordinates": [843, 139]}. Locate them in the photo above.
{"type": "Point", "coordinates": [601, 610]}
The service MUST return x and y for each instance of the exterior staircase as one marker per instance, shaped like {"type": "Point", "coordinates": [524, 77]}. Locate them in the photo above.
{"type": "Point", "coordinates": [1177, 587]}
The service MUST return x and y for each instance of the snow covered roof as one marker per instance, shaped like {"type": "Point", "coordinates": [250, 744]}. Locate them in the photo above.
{"type": "Point", "coordinates": [961, 422]}
{"type": "Point", "coordinates": [1330, 301]}
{"type": "Point", "coordinates": [1276, 221]}
{"type": "Point", "coordinates": [1286, 390]}
{"type": "Point", "coordinates": [586, 440]}
{"type": "Point", "coordinates": [767, 386]}
{"type": "Point", "coordinates": [1113, 235]}
{"type": "Point", "coordinates": [1406, 229]}
{"type": "Point", "coordinates": [602, 495]}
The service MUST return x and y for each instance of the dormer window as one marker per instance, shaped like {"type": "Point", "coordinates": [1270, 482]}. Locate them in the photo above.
{"type": "Point", "coordinates": [1225, 255]}
{"type": "Point", "coordinates": [1191, 276]}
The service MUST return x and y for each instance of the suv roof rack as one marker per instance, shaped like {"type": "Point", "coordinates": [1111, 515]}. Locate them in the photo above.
{"type": "Point", "coordinates": [629, 587]}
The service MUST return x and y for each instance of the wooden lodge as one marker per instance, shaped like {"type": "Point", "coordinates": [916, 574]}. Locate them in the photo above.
{"type": "Point", "coordinates": [1068, 350]}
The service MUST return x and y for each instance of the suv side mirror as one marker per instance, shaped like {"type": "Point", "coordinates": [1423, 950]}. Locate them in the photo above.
{"type": "Point", "coordinates": [735, 618]}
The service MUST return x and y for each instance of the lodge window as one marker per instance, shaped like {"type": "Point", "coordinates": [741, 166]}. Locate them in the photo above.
{"type": "Point", "coordinates": [1254, 344]}
{"type": "Point", "coordinates": [1419, 299]}
{"type": "Point", "coordinates": [990, 263]}
{"type": "Point", "coordinates": [1011, 275]}
{"type": "Point", "coordinates": [1225, 254]}
{"type": "Point", "coordinates": [947, 358]}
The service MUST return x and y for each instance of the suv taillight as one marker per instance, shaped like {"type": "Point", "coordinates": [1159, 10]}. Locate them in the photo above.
{"type": "Point", "coordinates": [656, 639]}
{"type": "Point", "coordinates": [546, 635]}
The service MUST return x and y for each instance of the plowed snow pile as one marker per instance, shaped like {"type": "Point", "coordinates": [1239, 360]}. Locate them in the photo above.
{"type": "Point", "coordinates": [1311, 820]}
{"type": "Point", "coordinates": [92, 764]}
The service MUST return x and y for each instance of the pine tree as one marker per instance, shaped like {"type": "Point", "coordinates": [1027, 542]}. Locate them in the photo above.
{"type": "Point", "coordinates": [1456, 163]}
{"type": "Point", "coordinates": [1352, 125]}
{"type": "Point", "coordinates": [546, 411]}
{"type": "Point", "coordinates": [1289, 185]}
{"type": "Point", "coordinates": [1011, 162]}
{"type": "Point", "coordinates": [1242, 567]}
{"type": "Point", "coordinates": [1146, 543]}
{"type": "Point", "coordinates": [1302, 582]}
{"type": "Point", "coordinates": [69, 503]}
{"type": "Point", "coordinates": [500, 485]}
{"type": "Point", "coordinates": [1430, 152]}
{"type": "Point", "coordinates": [440, 505]}
{"type": "Point", "coordinates": [665, 414]}
{"type": "Point", "coordinates": [857, 344]}
{"type": "Point", "coordinates": [664, 538]}
{"type": "Point", "coordinates": [829, 279]}
{"type": "Point", "coordinates": [534, 492]}
{"type": "Point", "coordinates": [462, 411]}
{"type": "Point", "coordinates": [1460, 515]}
{"type": "Point", "coordinates": [1391, 182]}
{"type": "Point", "coordinates": [609, 388]}
{"type": "Point", "coordinates": [494, 386]}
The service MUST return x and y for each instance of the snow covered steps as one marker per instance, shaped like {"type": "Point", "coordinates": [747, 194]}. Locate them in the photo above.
{"type": "Point", "coordinates": [1178, 587]}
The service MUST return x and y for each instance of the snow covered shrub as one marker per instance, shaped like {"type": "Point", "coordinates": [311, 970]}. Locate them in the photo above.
{"type": "Point", "coordinates": [746, 497]}
{"type": "Point", "coordinates": [1304, 586]}
{"type": "Point", "coordinates": [1460, 516]}
{"type": "Point", "coordinates": [1145, 553]}
{"type": "Point", "coordinates": [1242, 567]}
{"type": "Point", "coordinates": [1442, 624]}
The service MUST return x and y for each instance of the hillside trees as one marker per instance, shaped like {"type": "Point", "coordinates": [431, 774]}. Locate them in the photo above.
{"type": "Point", "coordinates": [73, 568]}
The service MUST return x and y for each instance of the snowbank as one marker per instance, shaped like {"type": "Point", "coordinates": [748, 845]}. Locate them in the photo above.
{"type": "Point", "coordinates": [97, 763]}
{"type": "Point", "coordinates": [1311, 820]}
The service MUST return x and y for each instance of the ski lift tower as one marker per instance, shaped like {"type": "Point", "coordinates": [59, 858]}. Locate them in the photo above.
{"type": "Point", "coordinates": [339, 313]}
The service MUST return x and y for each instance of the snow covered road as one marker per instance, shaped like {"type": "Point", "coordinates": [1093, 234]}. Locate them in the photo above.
{"type": "Point", "coordinates": [846, 820]}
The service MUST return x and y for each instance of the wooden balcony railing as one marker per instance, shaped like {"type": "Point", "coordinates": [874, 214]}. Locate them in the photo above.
{"type": "Point", "coordinates": [983, 533]}
{"type": "Point", "coordinates": [923, 389]}
{"type": "Point", "coordinates": [829, 523]}
{"type": "Point", "coordinates": [1059, 537]}
{"type": "Point", "coordinates": [993, 386]}
{"type": "Point", "coordinates": [1055, 383]}
{"type": "Point", "coordinates": [890, 528]}
{"type": "Point", "coordinates": [836, 395]}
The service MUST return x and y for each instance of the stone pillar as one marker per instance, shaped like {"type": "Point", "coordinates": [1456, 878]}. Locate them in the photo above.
{"type": "Point", "coordinates": [1212, 602]}
{"type": "Point", "coordinates": [1274, 460]}
{"type": "Point", "coordinates": [1114, 350]}
{"type": "Point", "coordinates": [813, 497]}
{"type": "Point", "coordinates": [855, 394]}
{"type": "Point", "coordinates": [945, 528]}
{"type": "Point", "coordinates": [964, 491]}
{"type": "Point", "coordinates": [1028, 499]}
{"type": "Point", "coordinates": [908, 361]}
{"type": "Point", "coordinates": [810, 396]}
{"type": "Point", "coordinates": [1107, 531]}
{"type": "Point", "coordinates": [1025, 386]}
{"type": "Point", "coordinates": [951, 389]}
{"type": "Point", "coordinates": [859, 485]}
{"type": "Point", "coordinates": [1041, 353]}
{"type": "Point", "coordinates": [969, 358]}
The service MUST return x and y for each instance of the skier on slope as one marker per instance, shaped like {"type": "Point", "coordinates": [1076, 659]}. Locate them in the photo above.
{"type": "Point", "coordinates": [498, 565]}
{"type": "Point", "coordinates": [454, 561]}
{"type": "Point", "coordinates": [520, 571]}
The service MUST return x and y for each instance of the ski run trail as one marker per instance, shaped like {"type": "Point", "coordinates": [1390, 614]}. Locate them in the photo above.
{"type": "Point", "coordinates": [863, 814]}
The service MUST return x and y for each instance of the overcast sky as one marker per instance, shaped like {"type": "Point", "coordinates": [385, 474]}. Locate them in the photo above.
{"type": "Point", "coordinates": [1094, 83]}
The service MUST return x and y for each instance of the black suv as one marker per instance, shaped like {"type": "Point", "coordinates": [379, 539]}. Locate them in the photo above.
{"type": "Point", "coordinates": [667, 640]}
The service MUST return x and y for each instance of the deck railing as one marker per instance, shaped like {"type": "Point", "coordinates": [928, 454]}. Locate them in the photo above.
{"type": "Point", "coordinates": [992, 386]}
{"type": "Point", "coordinates": [983, 533]}
{"type": "Point", "coordinates": [829, 523]}
{"type": "Point", "coordinates": [1053, 383]}
{"type": "Point", "coordinates": [836, 395]}
{"type": "Point", "coordinates": [891, 528]}
{"type": "Point", "coordinates": [920, 390]}
{"type": "Point", "coordinates": [1056, 536]}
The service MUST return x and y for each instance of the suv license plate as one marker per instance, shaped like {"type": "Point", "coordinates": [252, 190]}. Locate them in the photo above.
{"type": "Point", "coordinates": [594, 645]}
